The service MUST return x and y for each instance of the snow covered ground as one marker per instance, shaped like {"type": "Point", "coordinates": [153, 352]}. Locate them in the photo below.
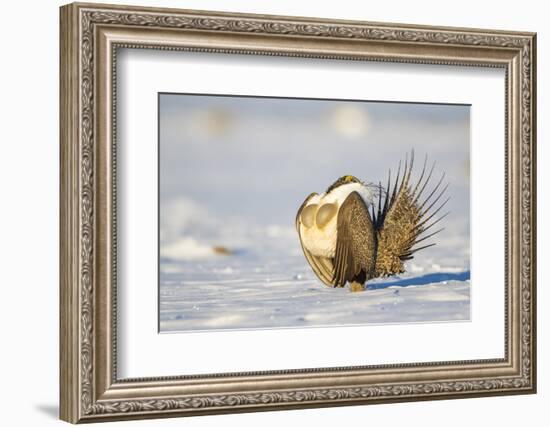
{"type": "Point", "coordinates": [270, 285]}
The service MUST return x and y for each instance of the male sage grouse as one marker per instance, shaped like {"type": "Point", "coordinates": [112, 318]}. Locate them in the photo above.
{"type": "Point", "coordinates": [343, 242]}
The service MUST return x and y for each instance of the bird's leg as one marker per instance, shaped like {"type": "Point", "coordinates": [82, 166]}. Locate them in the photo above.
{"type": "Point", "coordinates": [356, 287]}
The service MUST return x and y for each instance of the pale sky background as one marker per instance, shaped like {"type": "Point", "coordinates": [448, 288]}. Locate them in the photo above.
{"type": "Point", "coordinates": [254, 160]}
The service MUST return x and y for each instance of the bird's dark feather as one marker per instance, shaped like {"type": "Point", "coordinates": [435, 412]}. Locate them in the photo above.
{"type": "Point", "coordinates": [355, 242]}
{"type": "Point", "coordinates": [404, 218]}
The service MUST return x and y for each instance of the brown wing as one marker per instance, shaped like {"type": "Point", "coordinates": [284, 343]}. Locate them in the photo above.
{"type": "Point", "coordinates": [403, 218]}
{"type": "Point", "coordinates": [355, 255]}
{"type": "Point", "coordinates": [321, 266]}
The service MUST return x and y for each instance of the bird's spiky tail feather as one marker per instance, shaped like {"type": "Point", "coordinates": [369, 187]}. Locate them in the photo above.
{"type": "Point", "coordinates": [404, 216]}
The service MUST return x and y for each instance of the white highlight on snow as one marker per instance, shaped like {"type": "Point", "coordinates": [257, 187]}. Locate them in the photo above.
{"type": "Point", "coordinates": [186, 248]}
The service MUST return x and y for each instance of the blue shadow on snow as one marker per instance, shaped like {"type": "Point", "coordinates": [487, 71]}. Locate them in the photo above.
{"type": "Point", "coordinates": [426, 279]}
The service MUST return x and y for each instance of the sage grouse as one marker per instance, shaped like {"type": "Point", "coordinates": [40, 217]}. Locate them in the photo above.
{"type": "Point", "coordinates": [345, 242]}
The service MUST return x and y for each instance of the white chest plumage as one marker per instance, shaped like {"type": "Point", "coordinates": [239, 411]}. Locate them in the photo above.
{"type": "Point", "coordinates": [321, 240]}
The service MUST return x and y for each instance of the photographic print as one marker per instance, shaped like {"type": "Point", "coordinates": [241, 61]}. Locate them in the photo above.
{"type": "Point", "coordinates": [290, 212]}
{"type": "Point", "coordinates": [292, 190]}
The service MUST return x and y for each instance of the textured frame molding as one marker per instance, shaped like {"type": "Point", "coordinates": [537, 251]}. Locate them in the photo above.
{"type": "Point", "coordinates": [90, 36]}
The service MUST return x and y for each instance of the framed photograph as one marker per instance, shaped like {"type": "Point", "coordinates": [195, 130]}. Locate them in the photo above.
{"type": "Point", "coordinates": [266, 212]}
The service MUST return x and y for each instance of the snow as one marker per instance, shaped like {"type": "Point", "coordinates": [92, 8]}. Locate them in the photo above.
{"type": "Point", "coordinates": [270, 285]}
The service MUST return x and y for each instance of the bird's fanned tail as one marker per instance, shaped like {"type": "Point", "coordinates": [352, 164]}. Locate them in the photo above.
{"type": "Point", "coordinates": [403, 217]}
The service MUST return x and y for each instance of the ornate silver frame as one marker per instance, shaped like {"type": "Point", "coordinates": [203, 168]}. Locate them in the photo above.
{"type": "Point", "coordinates": [90, 36]}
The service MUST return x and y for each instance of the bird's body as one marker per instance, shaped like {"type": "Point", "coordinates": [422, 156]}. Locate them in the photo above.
{"type": "Point", "coordinates": [319, 239]}
{"type": "Point", "coordinates": [345, 243]}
